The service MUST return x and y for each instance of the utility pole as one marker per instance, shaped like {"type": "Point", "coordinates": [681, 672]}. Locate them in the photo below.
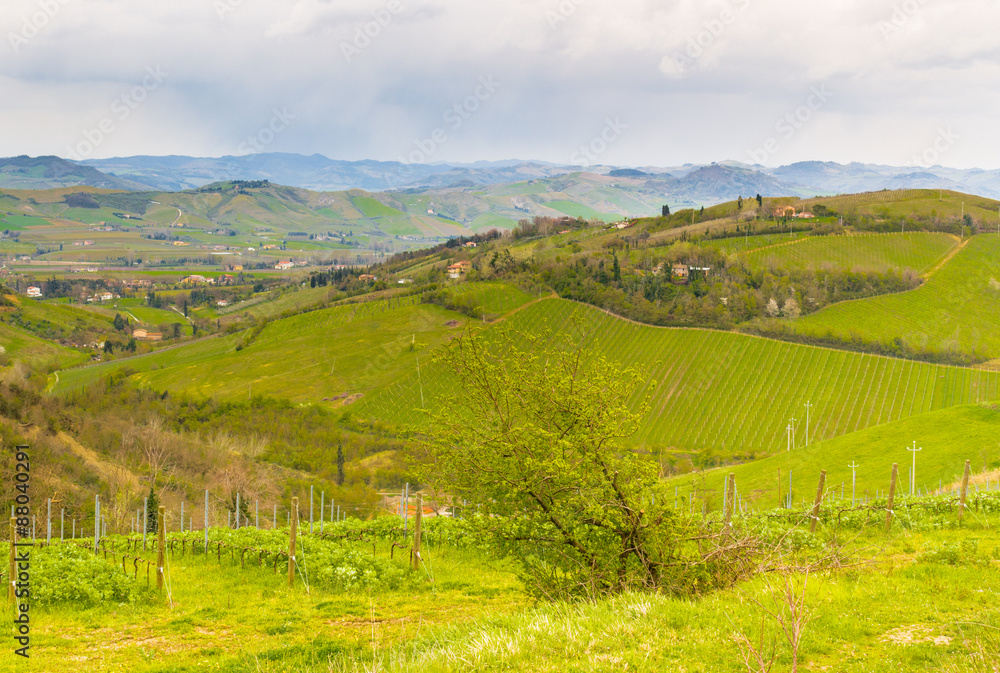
{"type": "Point", "coordinates": [807, 405]}
{"type": "Point", "coordinates": [913, 470]}
{"type": "Point", "coordinates": [854, 480]}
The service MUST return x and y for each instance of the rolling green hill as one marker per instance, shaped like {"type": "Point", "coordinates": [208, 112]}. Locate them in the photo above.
{"type": "Point", "coordinates": [918, 251]}
{"type": "Point", "coordinates": [957, 309]}
{"type": "Point", "coordinates": [948, 437]}
{"type": "Point", "coordinates": [728, 393]}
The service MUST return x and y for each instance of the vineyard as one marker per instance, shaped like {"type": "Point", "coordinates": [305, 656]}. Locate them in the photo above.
{"type": "Point", "coordinates": [925, 203]}
{"type": "Point", "coordinates": [918, 251]}
{"type": "Point", "coordinates": [339, 351]}
{"type": "Point", "coordinates": [729, 393]}
{"type": "Point", "coordinates": [957, 309]}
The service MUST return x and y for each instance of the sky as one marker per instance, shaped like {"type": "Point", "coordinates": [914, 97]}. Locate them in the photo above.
{"type": "Point", "coordinates": [622, 82]}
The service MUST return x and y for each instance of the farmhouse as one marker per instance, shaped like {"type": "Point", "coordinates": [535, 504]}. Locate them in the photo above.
{"type": "Point", "coordinates": [284, 266]}
{"type": "Point", "coordinates": [680, 272]}
{"type": "Point", "coordinates": [222, 302]}
{"type": "Point", "coordinates": [195, 278]}
{"type": "Point", "coordinates": [35, 292]}
{"type": "Point", "coordinates": [470, 244]}
{"type": "Point", "coordinates": [143, 335]}
{"type": "Point", "coordinates": [367, 277]}
{"type": "Point", "coordinates": [805, 215]}
{"type": "Point", "coordinates": [785, 211]}
{"type": "Point", "coordinates": [456, 270]}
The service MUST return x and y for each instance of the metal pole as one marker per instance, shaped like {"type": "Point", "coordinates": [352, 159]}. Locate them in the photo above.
{"type": "Point", "coordinates": [854, 480]}
{"type": "Point", "coordinates": [274, 517]}
{"type": "Point", "coordinates": [97, 521]}
{"type": "Point", "coordinates": [48, 522]}
{"type": "Point", "coordinates": [322, 508]}
{"type": "Point", "coordinates": [62, 524]}
{"type": "Point", "coordinates": [807, 405]}
{"type": "Point", "coordinates": [206, 520]}
{"type": "Point", "coordinates": [237, 510]}
{"type": "Point", "coordinates": [256, 514]}
{"type": "Point", "coordinates": [182, 516]}
{"type": "Point", "coordinates": [310, 510]}
{"type": "Point", "coordinates": [145, 521]}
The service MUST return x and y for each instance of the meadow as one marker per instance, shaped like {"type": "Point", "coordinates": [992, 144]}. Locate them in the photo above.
{"type": "Point", "coordinates": [921, 597]}
{"type": "Point", "coordinates": [956, 309]}
{"type": "Point", "coordinates": [919, 251]}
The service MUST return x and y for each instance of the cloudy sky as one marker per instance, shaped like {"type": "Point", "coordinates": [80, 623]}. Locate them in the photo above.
{"type": "Point", "coordinates": [627, 82]}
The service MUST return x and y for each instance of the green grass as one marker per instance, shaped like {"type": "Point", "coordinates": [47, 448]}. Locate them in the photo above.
{"type": "Point", "coordinates": [574, 209]}
{"type": "Point", "coordinates": [957, 309]}
{"type": "Point", "coordinates": [19, 345]}
{"type": "Point", "coordinates": [493, 298]}
{"type": "Point", "coordinates": [373, 208]}
{"type": "Point", "coordinates": [948, 438]}
{"type": "Point", "coordinates": [744, 243]}
{"type": "Point", "coordinates": [917, 251]}
{"type": "Point", "coordinates": [353, 348]}
{"type": "Point", "coordinates": [728, 393]}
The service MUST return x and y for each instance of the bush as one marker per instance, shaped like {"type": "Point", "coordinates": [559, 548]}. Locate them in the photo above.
{"type": "Point", "coordinates": [66, 573]}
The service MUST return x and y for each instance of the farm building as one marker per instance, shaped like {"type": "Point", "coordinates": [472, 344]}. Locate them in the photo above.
{"type": "Point", "coordinates": [35, 292]}
{"type": "Point", "coordinates": [284, 265]}
{"type": "Point", "coordinates": [470, 244]}
{"type": "Point", "coordinates": [456, 270]}
{"type": "Point", "coordinates": [680, 272]}
{"type": "Point", "coordinates": [144, 335]}
{"type": "Point", "coordinates": [805, 215]}
{"type": "Point", "coordinates": [368, 277]}
{"type": "Point", "coordinates": [195, 278]}
{"type": "Point", "coordinates": [784, 211]}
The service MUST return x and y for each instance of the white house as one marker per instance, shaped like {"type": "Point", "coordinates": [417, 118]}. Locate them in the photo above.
{"type": "Point", "coordinates": [35, 292]}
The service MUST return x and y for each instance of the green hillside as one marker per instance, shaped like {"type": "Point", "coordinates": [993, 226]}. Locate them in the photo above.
{"type": "Point", "coordinates": [919, 251]}
{"type": "Point", "coordinates": [957, 309]}
{"type": "Point", "coordinates": [345, 350]}
{"type": "Point", "coordinates": [730, 393]}
{"type": "Point", "coordinates": [947, 437]}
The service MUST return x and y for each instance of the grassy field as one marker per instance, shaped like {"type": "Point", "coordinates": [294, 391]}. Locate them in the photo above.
{"type": "Point", "coordinates": [922, 598]}
{"type": "Point", "coordinates": [345, 350]}
{"type": "Point", "coordinates": [727, 392]}
{"type": "Point", "coordinates": [948, 437]}
{"type": "Point", "coordinates": [958, 308]}
{"type": "Point", "coordinates": [918, 251]}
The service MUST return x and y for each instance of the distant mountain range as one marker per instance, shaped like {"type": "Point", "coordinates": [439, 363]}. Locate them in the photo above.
{"type": "Point", "coordinates": [679, 186]}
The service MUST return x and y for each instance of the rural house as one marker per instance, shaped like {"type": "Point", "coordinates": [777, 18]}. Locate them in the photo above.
{"type": "Point", "coordinates": [456, 270]}
{"type": "Point", "coordinates": [368, 277]}
{"type": "Point", "coordinates": [35, 292]}
{"type": "Point", "coordinates": [680, 272]}
{"type": "Point", "coordinates": [784, 211]}
{"type": "Point", "coordinates": [284, 265]}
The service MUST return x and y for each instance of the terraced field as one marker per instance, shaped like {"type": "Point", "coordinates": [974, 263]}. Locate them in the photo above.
{"type": "Point", "coordinates": [726, 391]}
{"type": "Point", "coordinates": [958, 308]}
{"type": "Point", "coordinates": [919, 251]}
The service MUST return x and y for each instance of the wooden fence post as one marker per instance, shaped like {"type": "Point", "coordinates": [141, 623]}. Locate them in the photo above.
{"type": "Point", "coordinates": [162, 538]}
{"type": "Point", "coordinates": [819, 499]}
{"type": "Point", "coordinates": [12, 570]}
{"type": "Point", "coordinates": [965, 490]}
{"type": "Point", "coordinates": [291, 542]}
{"type": "Point", "coordinates": [417, 533]}
{"type": "Point", "coordinates": [892, 494]}
{"type": "Point", "coordinates": [730, 497]}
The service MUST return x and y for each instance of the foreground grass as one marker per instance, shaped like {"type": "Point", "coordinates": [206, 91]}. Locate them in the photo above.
{"type": "Point", "coordinates": [925, 598]}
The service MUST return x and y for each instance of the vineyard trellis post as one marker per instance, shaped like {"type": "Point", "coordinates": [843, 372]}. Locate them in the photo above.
{"type": "Point", "coordinates": [97, 521]}
{"type": "Point", "coordinates": [291, 542]}
{"type": "Point", "coordinates": [206, 520]}
{"type": "Point", "coordinates": [854, 480]}
{"type": "Point", "coordinates": [965, 490]}
{"type": "Point", "coordinates": [892, 495]}
{"type": "Point", "coordinates": [322, 509]}
{"type": "Point", "coordinates": [145, 520]}
{"type": "Point", "coordinates": [62, 524]}
{"type": "Point", "coordinates": [274, 517]}
{"type": "Point", "coordinates": [182, 516]}
{"type": "Point", "coordinates": [819, 499]}
{"type": "Point", "coordinates": [48, 521]}
{"type": "Point", "coordinates": [310, 509]}
{"type": "Point", "coordinates": [237, 510]}
{"type": "Point", "coordinates": [730, 497]}
{"type": "Point", "coordinates": [417, 532]}
{"type": "Point", "coordinates": [256, 514]}
{"type": "Point", "coordinates": [162, 538]}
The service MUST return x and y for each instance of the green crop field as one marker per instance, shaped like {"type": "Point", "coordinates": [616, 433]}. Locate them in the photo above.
{"type": "Point", "coordinates": [729, 392]}
{"type": "Point", "coordinates": [347, 349]}
{"type": "Point", "coordinates": [744, 243]}
{"type": "Point", "coordinates": [918, 251]}
{"type": "Point", "coordinates": [574, 209]}
{"type": "Point", "coordinates": [946, 437]}
{"type": "Point", "coordinates": [491, 298]}
{"type": "Point", "coordinates": [19, 345]}
{"type": "Point", "coordinates": [958, 308]}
